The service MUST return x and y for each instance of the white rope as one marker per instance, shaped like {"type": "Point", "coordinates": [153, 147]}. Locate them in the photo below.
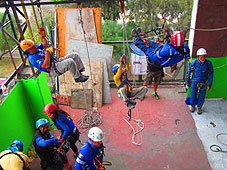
{"type": "Point", "coordinates": [200, 29]}
{"type": "Point", "coordinates": [139, 125]}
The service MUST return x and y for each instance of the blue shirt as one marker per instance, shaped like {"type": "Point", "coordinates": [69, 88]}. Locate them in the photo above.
{"type": "Point", "coordinates": [66, 126]}
{"type": "Point", "coordinates": [46, 142]}
{"type": "Point", "coordinates": [86, 156]}
{"type": "Point", "coordinates": [38, 58]}
{"type": "Point", "coordinates": [200, 73]}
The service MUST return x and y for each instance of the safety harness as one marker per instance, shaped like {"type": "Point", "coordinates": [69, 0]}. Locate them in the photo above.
{"type": "Point", "coordinates": [99, 166]}
{"type": "Point", "coordinates": [200, 85]}
{"type": "Point", "coordinates": [17, 155]}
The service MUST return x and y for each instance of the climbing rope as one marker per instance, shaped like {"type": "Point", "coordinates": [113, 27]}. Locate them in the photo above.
{"type": "Point", "coordinates": [139, 124]}
{"type": "Point", "coordinates": [90, 118]}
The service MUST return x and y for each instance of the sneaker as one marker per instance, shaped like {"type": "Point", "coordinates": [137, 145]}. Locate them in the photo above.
{"type": "Point", "coordinates": [134, 33]}
{"type": "Point", "coordinates": [132, 101]}
{"type": "Point", "coordinates": [199, 110]}
{"type": "Point", "coordinates": [192, 109]}
{"type": "Point", "coordinates": [155, 95]}
{"type": "Point", "coordinates": [82, 78]}
{"type": "Point", "coordinates": [138, 31]}
{"type": "Point", "coordinates": [129, 105]}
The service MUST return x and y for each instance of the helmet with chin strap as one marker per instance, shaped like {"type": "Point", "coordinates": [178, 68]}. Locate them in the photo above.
{"type": "Point", "coordinates": [96, 134]}
{"type": "Point", "coordinates": [50, 107]}
{"type": "Point", "coordinates": [26, 44]}
{"type": "Point", "coordinates": [177, 39]}
{"type": "Point", "coordinates": [201, 51]}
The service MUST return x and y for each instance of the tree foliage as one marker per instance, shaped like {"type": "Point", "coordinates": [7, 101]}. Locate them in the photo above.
{"type": "Point", "coordinates": [8, 28]}
{"type": "Point", "coordinates": [150, 14]}
{"type": "Point", "coordinates": [110, 9]}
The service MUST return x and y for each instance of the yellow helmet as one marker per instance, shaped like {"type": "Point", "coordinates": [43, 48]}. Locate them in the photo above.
{"type": "Point", "coordinates": [26, 44]}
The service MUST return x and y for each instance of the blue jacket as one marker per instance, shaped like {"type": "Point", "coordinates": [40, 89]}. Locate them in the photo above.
{"type": "Point", "coordinates": [38, 58]}
{"type": "Point", "coordinates": [66, 126]}
{"type": "Point", "coordinates": [86, 157]}
{"type": "Point", "coordinates": [163, 55]}
{"type": "Point", "coordinates": [200, 73]}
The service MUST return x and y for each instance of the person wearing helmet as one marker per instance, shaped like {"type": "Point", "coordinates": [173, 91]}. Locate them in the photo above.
{"type": "Point", "coordinates": [13, 158]}
{"type": "Point", "coordinates": [45, 146]}
{"type": "Point", "coordinates": [91, 153]}
{"type": "Point", "coordinates": [200, 79]}
{"type": "Point", "coordinates": [168, 54]}
{"type": "Point", "coordinates": [125, 91]}
{"type": "Point", "coordinates": [64, 123]}
{"type": "Point", "coordinates": [43, 60]}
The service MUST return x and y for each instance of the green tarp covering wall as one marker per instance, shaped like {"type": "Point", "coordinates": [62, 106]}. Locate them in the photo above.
{"type": "Point", "coordinates": [20, 110]}
{"type": "Point", "coordinates": [218, 89]}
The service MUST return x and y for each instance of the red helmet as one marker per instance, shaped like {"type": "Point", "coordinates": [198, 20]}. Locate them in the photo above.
{"type": "Point", "coordinates": [177, 39]}
{"type": "Point", "coordinates": [49, 108]}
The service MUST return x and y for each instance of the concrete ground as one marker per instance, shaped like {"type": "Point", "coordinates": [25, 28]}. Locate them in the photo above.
{"type": "Point", "coordinates": [173, 138]}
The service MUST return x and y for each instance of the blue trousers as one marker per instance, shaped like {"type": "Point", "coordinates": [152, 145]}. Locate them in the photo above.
{"type": "Point", "coordinates": [194, 96]}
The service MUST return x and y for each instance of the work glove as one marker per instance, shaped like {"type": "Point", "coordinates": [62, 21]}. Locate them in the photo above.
{"type": "Point", "coordinates": [42, 32]}
{"type": "Point", "coordinates": [50, 50]}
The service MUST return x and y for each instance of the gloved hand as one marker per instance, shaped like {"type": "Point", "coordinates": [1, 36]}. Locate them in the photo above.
{"type": "Point", "coordinates": [50, 50]}
{"type": "Point", "coordinates": [208, 88]}
{"type": "Point", "coordinates": [42, 32]}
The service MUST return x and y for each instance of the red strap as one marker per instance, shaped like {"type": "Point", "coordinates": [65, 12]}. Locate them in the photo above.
{"type": "Point", "coordinates": [122, 6]}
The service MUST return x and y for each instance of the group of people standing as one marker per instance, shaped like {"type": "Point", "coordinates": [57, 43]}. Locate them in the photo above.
{"type": "Point", "coordinates": [46, 145]}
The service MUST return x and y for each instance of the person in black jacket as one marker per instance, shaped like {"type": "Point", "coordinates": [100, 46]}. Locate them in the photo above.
{"type": "Point", "coordinates": [45, 146]}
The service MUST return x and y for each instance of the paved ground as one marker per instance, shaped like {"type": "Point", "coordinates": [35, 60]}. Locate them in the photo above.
{"type": "Point", "coordinates": [170, 138]}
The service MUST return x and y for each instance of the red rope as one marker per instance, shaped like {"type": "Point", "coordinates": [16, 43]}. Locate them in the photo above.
{"type": "Point", "coordinates": [122, 6]}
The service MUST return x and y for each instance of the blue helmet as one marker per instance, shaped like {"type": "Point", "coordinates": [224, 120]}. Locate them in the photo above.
{"type": "Point", "coordinates": [42, 122]}
{"type": "Point", "coordinates": [115, 67]}
{"type": "Point", "coordinates": [16, 145]}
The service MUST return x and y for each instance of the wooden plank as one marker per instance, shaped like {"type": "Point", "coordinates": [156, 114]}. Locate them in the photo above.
{"type": "Point", "coordinates": [67, 83]}
{"type": "Point", "coordinates": [61, 31]}
{"type": "Point", "coordinates": [98, 23]}
{"type": "Point", "coordinates": [73, 27]}
{"type": "Point", "coordinates": [81, 99]}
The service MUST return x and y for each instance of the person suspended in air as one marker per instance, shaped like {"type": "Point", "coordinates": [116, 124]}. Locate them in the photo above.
{"type": "Point", "coordinates": [44, 61]}
{"type": "Point", "coordinates": [125, 91]}
{"type": "Point", "coordinates": [167, 54]}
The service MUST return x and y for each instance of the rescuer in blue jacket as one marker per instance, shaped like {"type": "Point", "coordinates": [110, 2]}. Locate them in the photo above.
{"type": "Point", "coordinates": [166, 54]}
{"type": "Point", "coordinates": [200, 78]}
{"type": "Point", "coordinates": [64, 123]}
{"type": "Point", "coordinates": [45, 146]}
{"type": "Point", "coordinates": [41, 57]}
{"type": "Point", "coordinates": [91, 153]}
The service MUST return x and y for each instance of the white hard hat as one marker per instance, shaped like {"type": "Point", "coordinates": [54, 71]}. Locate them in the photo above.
{"type": "Point", "coordinates": [201, 51]}
{"type": "Point", "coordinates": [96, 134]}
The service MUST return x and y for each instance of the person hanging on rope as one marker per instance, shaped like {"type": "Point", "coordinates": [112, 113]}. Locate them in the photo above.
{"type": "Point", "coordinates": [125, 91]}
{"type": "Point", "coordinates": [168, 54]}
{"type": "Point", "coordinates": [92, 152]}
{"type": "Point", "coordinates": [200, 79]}
{"type": "Point", "coordinates": [45, 146]}
{"type": "Point", "coordinates": [13, 158]}
{"type": "Point", "coordinates": [64, 123]}
{"type": "Point", "coordinates": [43, 60]}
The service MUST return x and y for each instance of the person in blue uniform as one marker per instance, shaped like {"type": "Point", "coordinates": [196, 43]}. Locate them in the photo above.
{"type": "Point", "coordinates": [200, 79]}
{"type": "Point", "coordinates": [43, 59]}
{"type": "Point", "coordinates": [45, 146]}
{"type": "Point", "coordinates": [91, 153]}
{"type": "Point", "coordinates": [167, 54]}
{"type": "Point", "coordinates": [64, 123]}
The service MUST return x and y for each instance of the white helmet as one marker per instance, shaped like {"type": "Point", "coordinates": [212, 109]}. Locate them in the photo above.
{"type": "Point", "coordinates": [201, 51]}
{"type": "Point", "coordinates": [96, 134]}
